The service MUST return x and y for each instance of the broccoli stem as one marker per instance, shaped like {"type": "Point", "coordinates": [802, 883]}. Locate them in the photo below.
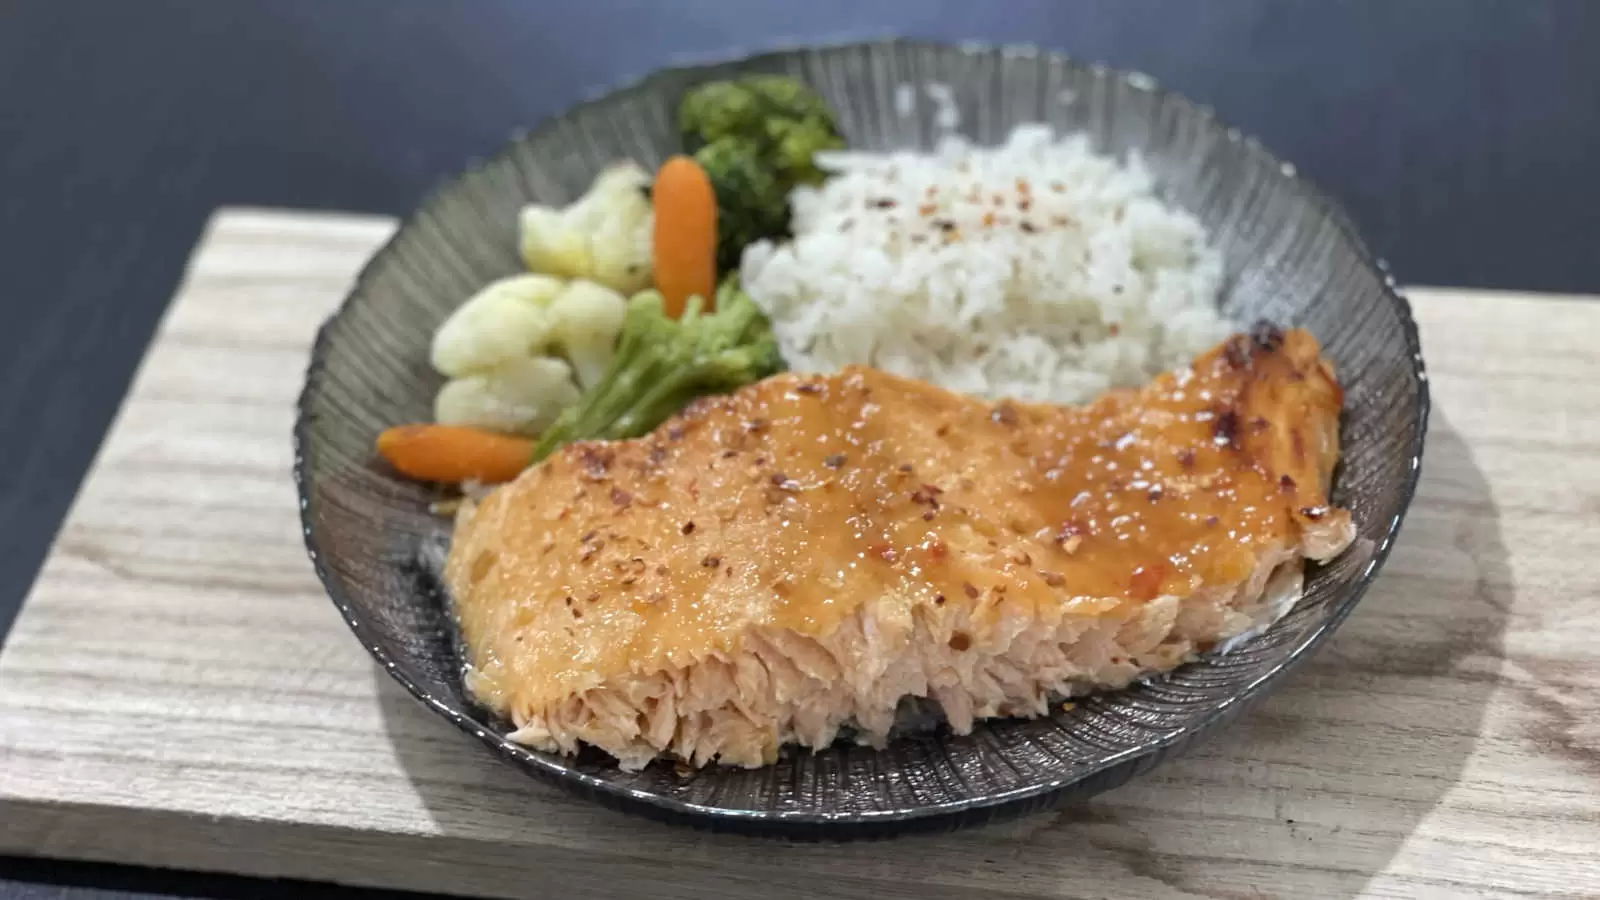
{"type": "Point", "coordinates": [661, 365]}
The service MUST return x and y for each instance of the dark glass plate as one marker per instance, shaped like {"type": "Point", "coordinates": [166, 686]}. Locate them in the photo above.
{"type": "Point", "coordinates": [1291, 256]}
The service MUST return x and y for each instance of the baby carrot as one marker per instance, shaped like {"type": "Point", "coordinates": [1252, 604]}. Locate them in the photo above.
{"type": "Point", "coordinates": [453, 453]}
{"type": "Point", "coordinates": [684, 245]}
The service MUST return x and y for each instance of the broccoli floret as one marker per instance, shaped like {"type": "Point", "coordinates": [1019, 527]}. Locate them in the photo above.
{"type": "Point", "coordinates": [662, 364]}
{"type": "Point", "coordinates": [756, 138]}
{"type": "Point", "coordinates": [752, 203]}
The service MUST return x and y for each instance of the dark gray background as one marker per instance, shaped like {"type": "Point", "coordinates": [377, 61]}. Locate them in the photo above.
{"type": "Point", "coordinates": [1461, 135]}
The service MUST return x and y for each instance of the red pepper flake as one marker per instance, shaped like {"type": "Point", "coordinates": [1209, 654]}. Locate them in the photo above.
{"type": "Point", "coordinates": [835, 460]}
{"type": "Point", "coordinates": [1186, 458]}
{"type": "Point", "coordinates": [620, 497]}
{"type": "Point", "coordinates": [960, 641]}
{"type": "Point", "coordinates": [675, 433]}
{"type": "Point", "coordinates": [688, 527]}
{"type": "Point", "coordinates": [937, 549]}
{"type": "Point", "coordinates": [938, 599]}
{"type": "Point", "coordinates": [711, 562]}
{"type": "Point", "coordinates": [970, 589]}
{"type": "Point", "coordinates": [1211, 521]}
{"type": "Point", "coordinates": [1145, 583]}
{"type": "Point", "coordinates": [1286, 483]}
{"type": "Point", "coordinates": [1225, 431]}
{"type": "Point", "coordinates": [1236, 351]}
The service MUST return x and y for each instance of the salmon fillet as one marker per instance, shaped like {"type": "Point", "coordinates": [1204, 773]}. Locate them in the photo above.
{"type": "Point", "coordinates": [780, 563]}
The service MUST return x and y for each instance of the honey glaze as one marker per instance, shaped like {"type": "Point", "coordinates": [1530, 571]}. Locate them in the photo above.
{"type": "Point", "coordinates": [794, 501]}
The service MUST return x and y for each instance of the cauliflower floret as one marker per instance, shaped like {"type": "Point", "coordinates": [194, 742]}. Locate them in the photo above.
{"type": "Point", "coordinates": [505, 321]}
{"type": "Point", "coordinates": [521, 396]}
{"type": "Point", "coordinates": [603, 236]}
{"type": "Point", "coordinates": [585, 320]}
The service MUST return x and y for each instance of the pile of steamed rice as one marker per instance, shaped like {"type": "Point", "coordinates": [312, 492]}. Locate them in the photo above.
{"type": "Point", "coordinates": [1036, 270]}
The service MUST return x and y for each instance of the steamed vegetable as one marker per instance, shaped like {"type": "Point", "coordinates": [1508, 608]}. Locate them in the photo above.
{"type": "Point", "coordinates": [521, 396]}
{"type": "Point", "coordinates": [453, 454]}
{"type": "Point", "coordinates": [585, 321]}
{"type": "Point", "coordinates": [756, 137]}
{"type": "Point", "coordinates": [662, 364]}
{"type": "Point", "coordinates": [604, 236]}
{"type": "Point", "coordinates": [506, 320]}
{"type": "Point", "coordinates": [507, 351]}
{"type": "Point", "coordinates": [684, 246]}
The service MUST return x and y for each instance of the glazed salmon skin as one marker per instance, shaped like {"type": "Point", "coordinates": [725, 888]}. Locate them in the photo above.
{"type": "Point", "coordinates": [796, 557]}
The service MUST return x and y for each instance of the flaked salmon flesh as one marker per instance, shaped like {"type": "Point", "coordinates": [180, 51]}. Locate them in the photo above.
{"type": "Point", "coordinates": [776, 564]}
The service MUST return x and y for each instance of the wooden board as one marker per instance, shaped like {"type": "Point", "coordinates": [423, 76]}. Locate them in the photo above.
{"type": "Point", "coordinates": [178, 691]}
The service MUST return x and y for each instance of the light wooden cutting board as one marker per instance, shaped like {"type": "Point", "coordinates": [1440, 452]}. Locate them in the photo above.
{"type": "Point", "coordinates": [178, 691]}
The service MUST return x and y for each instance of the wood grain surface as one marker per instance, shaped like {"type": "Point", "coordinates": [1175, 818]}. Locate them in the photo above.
{"type": "Point", "coordinates": [178, 691]}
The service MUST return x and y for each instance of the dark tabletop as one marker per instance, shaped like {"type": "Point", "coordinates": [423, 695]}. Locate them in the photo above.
{"type": "Point", "coordinates": [1461, 135]}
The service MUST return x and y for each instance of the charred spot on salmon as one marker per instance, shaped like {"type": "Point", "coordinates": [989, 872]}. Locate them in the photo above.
{"type": "Point", "coordinates": [960, 641]}
{"type": "Point", "coordinates": [729, 454]}
{"type": "Point", "coordinates": [1225, 429]}
{"type": "Point", "coordinates": [620, 498]}
{"type": "Point", "coordinates": [942, 430]}
{"type": "Point", "coordinates": [1211, 521]}
{"type": "Point", "coordinates": [970, 589]}
{"type": "Point", "coordinates": [1004, 414]}
{"type": "Point", "coordinates": [937, 549]}
{"type": "Point", "coordinates": [1286, 483]}
{"type": "Point", "coordinates": [711, 562]}
{"type": "Point", "coordinates": [688, 527]}
{"type": "Point", "coordinates": [1267, 336]}
{"type": "Point", "coordinates": [905, 469]}
{"type": "Point", "coordinates": [835, 461]}
{"type": "Point", "coordinates": [1237, 352]}
{"type": "Point", "coordinates": [930, 515]}
{"type": "Point", "coordinates": [810, 387]}
{"type": "Point", "coordinates": [784, 483]}
{"type": "Point", "coordinates": [1259, 424]}
{"type": "Point", "coordinates": [938, 599]}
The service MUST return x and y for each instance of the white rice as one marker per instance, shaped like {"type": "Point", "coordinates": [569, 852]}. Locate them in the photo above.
{"type": "Point", "coordinates": [1036, 270]}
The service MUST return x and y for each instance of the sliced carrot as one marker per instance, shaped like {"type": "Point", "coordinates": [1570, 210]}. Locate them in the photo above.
{"type": "Point", "coordinates": [684, 244]}
{"type": "Point", "coordinates": [453, 453]}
